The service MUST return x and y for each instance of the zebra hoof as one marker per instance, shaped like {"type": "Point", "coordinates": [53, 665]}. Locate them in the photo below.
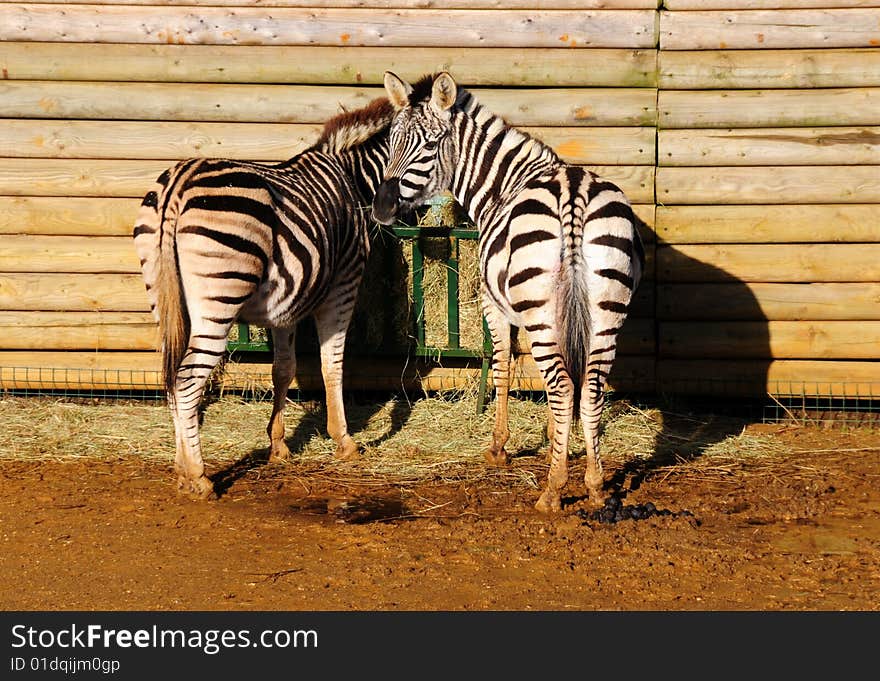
{"type": "Point", "coordinates": [499, 458]}
{"type": "Point", "coordinates": [596, 497]}
{"type": "Point", "coordinates": [347, 449]}
{"type": "Point", "coordinates": [549, 502]}
{"type": "Point", "coordinates": [279, 454]}
{"type": "Point", "coordinates": [196, 488]}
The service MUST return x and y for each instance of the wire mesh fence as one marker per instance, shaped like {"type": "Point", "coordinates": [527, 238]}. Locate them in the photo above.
{"type": "Point", "coordinates": [827, 404]}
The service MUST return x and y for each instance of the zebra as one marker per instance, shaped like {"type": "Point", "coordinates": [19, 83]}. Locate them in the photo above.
{"type": "Point", "coordinates": [559, 254]}
{"type": "Point", "coordinates": [222, 240]}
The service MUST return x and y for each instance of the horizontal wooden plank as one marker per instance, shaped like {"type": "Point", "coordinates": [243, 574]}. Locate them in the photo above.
{"type": "Point", "coordinates": [767, 223]}
{"type": "Point", "coordinates": [758, 69]}
{"type": "Point", "coordinates": [768, 184]}
{"type": "Point", "coordinates": [78, 177]}
{"type": "Point", "coordinates": [776, 28]}
{"type": "Point", "coordinates": [791, 263]}
{"type": "Point", "coordinates": [405, 4]}
{"type": "Point", "coordinates": [249, 103]}
{"type": "Point", "coordinates": [782, 378]}
{"type": "Point", "coordinates": [772, 302]}
{"type": "Point", "coordinates": [266, 141]}
{"type": "Point", "coordinates": [77, 370]}
{"type": "Point", "coordinates": [317, 65]}
{"type": "Point", "coordinates": [770, 340]}
{"type": "Point", "coordinates": [133, 178]}
{"type": "Point", "coordinates": [83, 254]}
{"type": "Point", "coordinates": [70, 215]}
{"type": "Point", "coordinates": [609, 146]}
{"type": "Point", "coordinates": [637, 182]}
{"type": "Point", "coordinates": [73, 292]}
{"type": "Point", "coordinates": [768, 108]}
{"type": "Point", "coordinates": [338, 27]}
{"type": "Point", "coordinates": [153, 140]}
{"type": "Point", "coordinates": [770, 146]}
{"type": "Point", "coordinates": [760, 4]}
{"type": "Point", "coordinates": [77, 331]}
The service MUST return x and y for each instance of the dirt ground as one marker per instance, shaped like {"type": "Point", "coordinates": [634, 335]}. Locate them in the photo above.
{"type": "Point", "coordinates": [798, 530]}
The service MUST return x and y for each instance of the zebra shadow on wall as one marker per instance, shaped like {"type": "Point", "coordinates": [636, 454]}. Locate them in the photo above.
{"type": "Point", "coordinates": [712, 354]}
{"type": "Point", "coordinates": [376, 357]}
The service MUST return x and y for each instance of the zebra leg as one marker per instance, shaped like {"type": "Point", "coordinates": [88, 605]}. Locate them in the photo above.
{"type": "Point", "coordinates": [500, 331]}
{"type": "Point", "coordinates": [560, 400]}
{"type": "Point", "coordinates": [548, 431]}
{"type": "Point", "coordinates": [203, 353]}
{"type": "Point", "coordinates": [332, 324]}
{"type": "Point", "coordinates": [283, 371]}
{"type": "Point", "coordinates": [592, 403]}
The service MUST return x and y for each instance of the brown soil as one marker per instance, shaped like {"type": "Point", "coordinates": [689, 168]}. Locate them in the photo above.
{"type": "Point", "coordinates": [797, 531]}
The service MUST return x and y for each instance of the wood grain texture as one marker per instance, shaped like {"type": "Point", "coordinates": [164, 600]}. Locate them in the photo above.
{"type": "Point", "coordinates": [785, 263]}
{"type": "Point", "coordinates": [71, 215]}
{"type": "Point", "coordinates": [83, 254]}
{"type": "Point", "coordinates": [757, 378]}
{"type": "Point", "coordinates": [770, 29]}
{"type": "Point", "coordinates": [761, 4]}
{"type": "Point", "coordinates": [769, 184]}
{"type": "Point", "coordinates": [759, 69]}
{"type": "Point", "coordinates": [768, 108]}
{"type": "Point", "coordinates": [78, 331]}
{"type": "Point", "coordinates": [253, 103]}
{"type": "Point", "coordinates": [768, 223]}
{"type": "Point", "coordinates": [403, 4]}
{"type": "Point", "coordinates": [769, 340]}
{"type": "Point", "coordinates": [770, 146]}
{"type": "Point", "coordinates": [634, 28]}
{"type": "Point", "coordinates": [268, 141]}
{"type": "Point", "coordinates": [59, 292]}
{"type": "Point", "coordinates": [321, 65]}
{"type": "Point", "coordinates": [773, 302]}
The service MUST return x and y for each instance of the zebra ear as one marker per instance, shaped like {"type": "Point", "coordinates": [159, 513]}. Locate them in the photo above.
{"type": "Point", "coordinates": [398, 90]}
{"type": "Point", "coordinates": [443, 92]}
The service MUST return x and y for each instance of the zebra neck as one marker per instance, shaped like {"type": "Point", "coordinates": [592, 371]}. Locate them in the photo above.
{"type": "Point", "coordinates": [365, 164]}
{"type": "Point", "coordinates": [495, 161]}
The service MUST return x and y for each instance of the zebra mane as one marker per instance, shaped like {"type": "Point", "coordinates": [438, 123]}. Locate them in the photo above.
{"type": "Point", "coordinates": [466, 102]}
{"type": "Point", "coordinates": [351, 128]}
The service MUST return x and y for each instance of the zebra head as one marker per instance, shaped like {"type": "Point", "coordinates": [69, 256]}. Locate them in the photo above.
{"type": "Point", "coordinates": [421, 158]}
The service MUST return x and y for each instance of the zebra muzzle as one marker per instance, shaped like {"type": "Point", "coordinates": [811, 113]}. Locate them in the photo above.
{"type": "Point", "coordinates": [387, 202]}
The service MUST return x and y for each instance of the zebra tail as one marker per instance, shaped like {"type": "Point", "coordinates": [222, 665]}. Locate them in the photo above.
{"type": "Point", "coordinates": [174, 322]}
{"type": "Point", "coordinates": [574, 316]}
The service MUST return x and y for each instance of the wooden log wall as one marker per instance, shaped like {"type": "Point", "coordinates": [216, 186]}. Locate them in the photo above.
{"type": "Point", "coordinates": [747, 133]}
{"type": "Point", "coordinates": [768, 192]}
{"type": "Point", "coordinates": [96, 99]}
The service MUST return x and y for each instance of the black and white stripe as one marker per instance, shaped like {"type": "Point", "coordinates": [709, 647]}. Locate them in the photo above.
{"type": "Point", "coordinates": [560, 255]}
{"type": "Point", "coordinates": [222, 241]}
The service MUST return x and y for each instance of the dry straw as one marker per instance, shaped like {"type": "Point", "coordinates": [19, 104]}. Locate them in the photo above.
{"type": "Point", "coordinates": [428, 439]}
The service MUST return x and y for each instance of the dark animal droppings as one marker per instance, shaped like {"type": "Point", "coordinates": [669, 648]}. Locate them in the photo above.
{"type": "Point", "coordinates": [615, 510]}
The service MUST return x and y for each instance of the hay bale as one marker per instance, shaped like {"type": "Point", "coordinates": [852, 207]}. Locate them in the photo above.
{"type": "Point", "coordinates": [437, 252]}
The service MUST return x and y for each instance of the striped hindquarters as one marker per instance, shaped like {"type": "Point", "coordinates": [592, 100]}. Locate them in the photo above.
{"type": "Point", "coordinates": [224, 240]}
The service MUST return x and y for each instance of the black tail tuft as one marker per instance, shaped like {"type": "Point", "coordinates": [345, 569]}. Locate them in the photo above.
{"type": "Point", "coordinates": [574, 316]}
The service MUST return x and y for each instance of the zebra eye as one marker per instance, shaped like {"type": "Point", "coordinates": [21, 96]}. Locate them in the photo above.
{"type": "Point", "coordinates": [430, 146]}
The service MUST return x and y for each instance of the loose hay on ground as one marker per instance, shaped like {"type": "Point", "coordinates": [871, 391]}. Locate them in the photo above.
{"type": "Point", "coordinates": [405, 441]}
